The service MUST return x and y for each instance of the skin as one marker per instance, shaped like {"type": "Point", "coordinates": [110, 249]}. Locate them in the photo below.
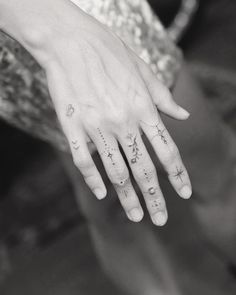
{"type": "Point", "coordinates": [103, 93]}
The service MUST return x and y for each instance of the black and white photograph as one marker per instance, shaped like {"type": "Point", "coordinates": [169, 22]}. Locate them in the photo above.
{"type": "Point", "coordinates": [117, 147]}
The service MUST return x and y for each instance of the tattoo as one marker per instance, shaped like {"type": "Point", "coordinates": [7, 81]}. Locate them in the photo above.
{"type": "Point", "coordinates": [160, 132]}
{"type": "Point", "coordinates": [151, 191]}
{"type": "Point", "coordinates": [156, 204]}
{"type": "Point", "coordinates": [125, 192]}
{"type": "Point", "coordinates": [70, 110]}
{"type": "Point", "coordinates": [148, 175]}
{"type": "Point", "coordinates": [135, 149]}
{"type": "Point", "coordinates": [179, 173]}
{"type": "Point", "coordinates": [122, 186]}
{"type": "Point", "coordinates": [108, 150]}
{"type": "Point", "coordinates": [122, 182]}
{"type": "Point", "coordinates": [75, 144]}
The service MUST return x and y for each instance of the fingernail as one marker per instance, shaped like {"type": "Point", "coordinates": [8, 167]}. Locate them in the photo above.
{"type": "Point", "coordinates": [136, 214]}
{"type": "Point", "coordinates": [100, 194]}
{"type": "Point", "coordinates": [186, 192]}
{"type": "Point", "coordinates": [159, 218]}
{"type": "Point", "coordinates": [183, 112]}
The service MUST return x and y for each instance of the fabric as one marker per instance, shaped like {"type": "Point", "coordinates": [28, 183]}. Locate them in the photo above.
{"type": "Point", "coordinates": [24, 98]}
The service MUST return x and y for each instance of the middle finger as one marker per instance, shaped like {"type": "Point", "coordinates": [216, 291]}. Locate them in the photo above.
{"type": "Point", "coordinates": [145, 175]}
{"type": "Point", "coordinates": [118, 173]}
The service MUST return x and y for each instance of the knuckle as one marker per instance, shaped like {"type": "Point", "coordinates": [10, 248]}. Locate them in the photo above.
{"type": "Point", "coordinates": [129, 203]}
{"type": "Point", "coordinates": [165, 93]}
{"type": "Point", "coordinates": [118, 117]}
{"type": "Point", "coordinates": [173, 150]}
{"type": "Point", "coordinates": [120, 179]}
{"type": "Point", "coordinates": [92, 120]}
{"type": "Point", "coordinates": [90, 178]}
{"type": "Point", "coordinates": [83, 163]}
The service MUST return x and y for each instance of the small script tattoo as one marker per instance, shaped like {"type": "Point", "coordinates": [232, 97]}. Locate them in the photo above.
{"type": "Point", "coordinates": [70, 110]}
{"type": "Point", "coordinates": [160, 132]}
{"type": "Point", "coordinates": [75, 144]}
{"type": "Point", "coordinates": [179, 173]}
{"type": "Point", "coordinates": [135, 149]}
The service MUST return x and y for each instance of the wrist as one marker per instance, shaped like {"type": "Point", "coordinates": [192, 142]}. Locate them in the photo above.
{"type": "Point", "coordinates": [35, 23]}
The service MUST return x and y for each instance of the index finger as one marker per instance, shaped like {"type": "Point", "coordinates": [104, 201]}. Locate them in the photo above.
{"type": "Point", "coordinates": [168, 154]}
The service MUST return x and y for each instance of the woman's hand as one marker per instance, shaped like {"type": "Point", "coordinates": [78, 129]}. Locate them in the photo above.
{"type": "Point", "coordinates": [104, 93]}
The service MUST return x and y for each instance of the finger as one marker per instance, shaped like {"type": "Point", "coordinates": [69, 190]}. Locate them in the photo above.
{"type": "Point", "coordinates": [145, 175]}
{"type": "Point", "coordinates": [168, 154]}
{"type": "Point", "coordinates": [160, 94]}
{"type": "Point", "coordinates": [82, 157]}
{"type": "Point", "coordinates": [118, 174]}
{"type": "Point", "coordinates": [68, 114]}
{"type": "Point", "coordinates": [84, 162]}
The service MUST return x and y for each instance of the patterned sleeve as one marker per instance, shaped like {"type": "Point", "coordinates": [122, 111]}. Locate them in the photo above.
{"type": "Point", "coordinates": [24, 99]}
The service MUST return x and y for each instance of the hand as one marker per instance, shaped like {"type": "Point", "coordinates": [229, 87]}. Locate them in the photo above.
{"type": "Point", "coordinates": [103, 93]}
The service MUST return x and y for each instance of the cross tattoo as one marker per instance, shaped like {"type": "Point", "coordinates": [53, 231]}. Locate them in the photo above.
{"type": "Point", "coordinates": [179, 173]}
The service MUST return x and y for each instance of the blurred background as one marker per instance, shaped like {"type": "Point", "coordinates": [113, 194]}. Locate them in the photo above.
{"type": "Point", "coordinates": [44, 243]}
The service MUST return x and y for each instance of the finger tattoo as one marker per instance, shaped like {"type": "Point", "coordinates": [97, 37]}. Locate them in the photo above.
{"type": "Point", "coordinates": [134, 146]}
{"type": "Point", "coordinates": [152, 190]}
{"type": "Point", "coordinates": [179, 173]}
{"type": "Point", "coordinates": [148, 175]}
{"type": "Point", "coordinates": [160, 132]}
{"type": "Point", "coordinates": [156, 204]}
{"type": "Point", "coordinates": [75, 144]}
{"type": "Point", "coordinates": [70, 110]}
{"type": "Point", "coordinates": [108, 151]}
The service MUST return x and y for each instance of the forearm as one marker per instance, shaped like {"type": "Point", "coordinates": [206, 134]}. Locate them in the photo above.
{"type": "Point", "coordinates": [17, 18]}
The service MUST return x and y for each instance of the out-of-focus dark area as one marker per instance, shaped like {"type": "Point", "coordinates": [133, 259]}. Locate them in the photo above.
{"type": "Point", "coordinates": [41, 230]}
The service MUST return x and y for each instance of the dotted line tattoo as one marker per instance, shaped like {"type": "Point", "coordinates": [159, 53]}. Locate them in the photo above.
{"type": "Point", "coordinates": [70, 110]}
{"type": "Point", "coordinates": [108, 150]}
{"type": "Point", "coordinates": [135, 149]}
{"type": "Point", "coordinates": [179, 173]}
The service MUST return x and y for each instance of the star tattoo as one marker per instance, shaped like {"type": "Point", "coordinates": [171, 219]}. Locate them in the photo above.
{"type": "Point", "coordinates": [160, 132]}
{"type": "Point", "coordinates": [179, 174]}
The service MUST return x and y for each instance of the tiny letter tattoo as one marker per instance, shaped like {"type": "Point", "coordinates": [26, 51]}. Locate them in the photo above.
{"type": "Point", "coordinates": [70, 110]}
